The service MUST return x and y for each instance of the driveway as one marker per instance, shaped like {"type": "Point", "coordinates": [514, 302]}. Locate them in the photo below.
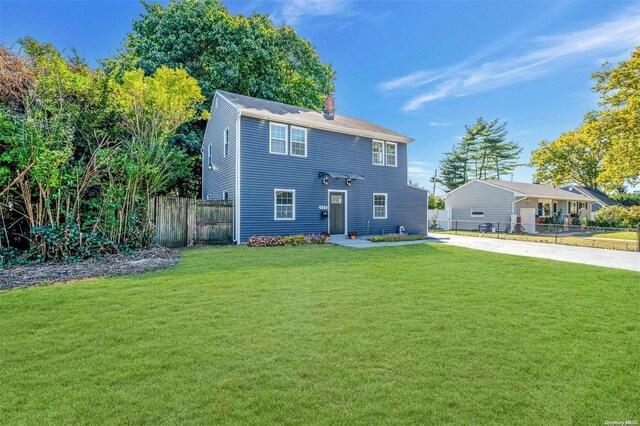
{"type": "Point", "coordinates": [589, 256]}
{"type": "Point", "coordinates": [365, 243]}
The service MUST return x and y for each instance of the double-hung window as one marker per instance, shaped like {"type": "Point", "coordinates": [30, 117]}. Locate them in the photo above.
{"type": "Point", "coordinates": [379, 206]}
{"type": "Point", "coordinates": [298, 141]}
{"type": "Point", "coordinates": [284, 204]}
{"type": "Point", "coordinates": [377, 150]}
{"type": "Point", "coordinates": [278, 139]}
{"type": "Point", "coordinates": [225, 148]}
{"type": "Point", "coordinates": [392, 153]}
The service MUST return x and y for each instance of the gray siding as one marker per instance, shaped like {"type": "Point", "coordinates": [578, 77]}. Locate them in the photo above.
{"type": "Point", "coordinates": [496, 202]}
{"type": "Point", "coordinates": [262, 172]}
{"type": "Point", "coordinates": [221, 177]}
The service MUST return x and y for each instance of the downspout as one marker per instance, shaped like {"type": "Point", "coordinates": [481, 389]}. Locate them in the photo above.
{"type": "Point", "coordinates": [237, 183]}
{"type": "Point", "coordinates": [513, 206]}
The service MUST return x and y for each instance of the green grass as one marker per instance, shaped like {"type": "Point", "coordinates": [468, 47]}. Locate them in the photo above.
{"type": "Point", "coordinates": [622, 235]}
{"type": "Point", "coordinates": [586, 240]}
{"type": "Point", "coordinates": [420, 334]}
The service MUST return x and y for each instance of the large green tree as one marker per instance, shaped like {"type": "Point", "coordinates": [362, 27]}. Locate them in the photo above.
{"type": "Point", "coordinates": [576, 156]}
{"type": "Point", "coordinates": [604, 151]}
{"type": "Point", "coordinates": [246, 55]}
{"type": "Point", "coordinates": [619, 90]}
{"type": "Point", "coordinates": [81, 153]}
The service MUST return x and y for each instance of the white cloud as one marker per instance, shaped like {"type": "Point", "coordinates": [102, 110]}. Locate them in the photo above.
{"type": "Point", "coordinates": [420, 171]}
{"type": "Point", "coordinates": [438, 124]}
{"type": "Point", "coordinates": [548, 54]}
{"type": "Point", "coordinates": [293, 10]}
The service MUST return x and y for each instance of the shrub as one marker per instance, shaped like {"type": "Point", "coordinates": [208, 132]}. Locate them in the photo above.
{"type": "Point", "coordinates": [634, 216]}
{"type": "Point", "coordinates": [627, 199]}
{"type": "Point", "coordinates": [265, 241]}
{"type": "Point", "coordinates": [618, 217]}
{"type": "Point", "coordinates": [395, 237]}
{"type": "Point", "coordinates": [294, 240]}
{"type": "Point", "coordinates": [321, 238]}
{"type": "Point", "coordinates": [352, 233]}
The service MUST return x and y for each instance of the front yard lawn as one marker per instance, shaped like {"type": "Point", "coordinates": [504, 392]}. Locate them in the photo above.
{"type": "Point", "coordinates": [420, 334]}
{"type": "Point", "coordinates": [622, 235]}
{"type": "Point", "coordinates": [605, 241]}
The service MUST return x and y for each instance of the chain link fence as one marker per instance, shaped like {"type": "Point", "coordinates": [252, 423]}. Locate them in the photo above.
{"type": "Point", "coordinates": [627, 239]}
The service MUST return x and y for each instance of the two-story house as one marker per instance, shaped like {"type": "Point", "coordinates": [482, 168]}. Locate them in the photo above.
{"type": "Point", "coordinates": [291, 170]}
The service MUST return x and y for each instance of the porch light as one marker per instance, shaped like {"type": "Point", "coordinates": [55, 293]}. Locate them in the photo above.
{"type": "Point", "coordinates": [349, 182]}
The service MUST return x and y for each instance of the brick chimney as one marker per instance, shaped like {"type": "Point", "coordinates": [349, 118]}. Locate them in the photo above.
{"type": "Point", "coordinates": [329, 106]}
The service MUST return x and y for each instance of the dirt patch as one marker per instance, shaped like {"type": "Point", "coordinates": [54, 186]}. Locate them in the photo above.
{"type": "Point", "coordinates": [108, 266]}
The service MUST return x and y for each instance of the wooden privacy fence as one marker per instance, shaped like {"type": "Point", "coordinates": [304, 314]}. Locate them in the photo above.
{"type": "Point", "coordinates": [183, 222]}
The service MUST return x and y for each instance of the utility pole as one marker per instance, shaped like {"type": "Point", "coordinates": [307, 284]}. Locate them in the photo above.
{"type": "Point", "coordinates": [435, 178]}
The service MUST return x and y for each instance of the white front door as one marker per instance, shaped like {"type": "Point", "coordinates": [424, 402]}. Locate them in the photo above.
{"type": "Point", "coordinates": [528, 219]}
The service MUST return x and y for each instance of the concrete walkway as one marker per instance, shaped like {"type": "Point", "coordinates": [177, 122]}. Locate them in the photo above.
{"type": "Point", "coordinates": [364, 243]}
{"type": "Point", "coordinates": [589, 256]}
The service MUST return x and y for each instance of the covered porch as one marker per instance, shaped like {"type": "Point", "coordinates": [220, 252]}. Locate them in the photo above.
{"type": "Point", "coordinates": [530, 212]}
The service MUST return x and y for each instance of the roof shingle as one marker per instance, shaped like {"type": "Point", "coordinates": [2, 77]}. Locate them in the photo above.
{"type": "Point", "coordinates": [308, 117]}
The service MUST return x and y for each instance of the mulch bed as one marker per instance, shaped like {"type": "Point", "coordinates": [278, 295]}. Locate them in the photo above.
{"type": "Point", "coordinates": [107, 266]}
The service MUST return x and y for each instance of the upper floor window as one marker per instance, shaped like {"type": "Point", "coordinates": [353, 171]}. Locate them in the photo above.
{"type": "Point", "coordinates": [225, 149]}
{"type": "Point", "coordinates": [284, 204]}
{"type": "Point", "coordinates": [209, 162]}
{"type": "Point", "coordinates": [278, 139]}
{"type": "Point", "coordinates": [377, 148]}
{"type": "Point", "coordinates": [392, 154]}
{"type": "Point", "coordinates": [379, 206]}
{"type": "Point", "coordinates": [298, 141]}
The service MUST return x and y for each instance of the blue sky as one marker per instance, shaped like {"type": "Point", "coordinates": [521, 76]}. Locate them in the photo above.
{"type": "Point", "coordinates": [423, 68]}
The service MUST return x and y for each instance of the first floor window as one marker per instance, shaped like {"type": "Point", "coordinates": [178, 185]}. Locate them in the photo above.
{"type": "Point", "coordinates": [284, 204]}
{"type": "Point", "coordinates": [277, 139]}
{"type": "Point", "coordinates": [477, 212]}
{"type": "Point", "coordinates": [573, 207]}
{"type": "Point", "coordinates": [225, 195]}
{"type": "Point", "coordinates": [544, 209]}
{"type": "Point", "coordinates": [377, 148]}
{"type": "Point", "coordinates": [298, 141]}
{"type": "Point", "coordinates": [379, 206]}
{"type": "Point", "coordinates": [209, 161]}
{"type": "Point", "coordinates": [392, 154]}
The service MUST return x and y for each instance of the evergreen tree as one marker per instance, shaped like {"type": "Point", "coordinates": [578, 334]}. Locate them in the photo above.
{"type": "Point", "coordinates": [483, 153]}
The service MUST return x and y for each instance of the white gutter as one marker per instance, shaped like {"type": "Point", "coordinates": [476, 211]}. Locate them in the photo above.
{"type": "Point", "coordinates": [328, 127]}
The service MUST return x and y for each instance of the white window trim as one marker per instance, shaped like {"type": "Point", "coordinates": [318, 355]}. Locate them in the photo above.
{"type": "Point", "coordinates": [223, 195]}
{"type": "Point", "coordinates": [225, 142]}
{"type": "Point", "coordinates": [476, 215]}
{"type": "Point", "coordinates": [286, 139]}
{"type": "Point", "coordinates": [373, 141]}
{"type": "Point", "coordinates": [386, 205]}
{"type": "Point", "coordinates": [385, 154]}
{"type": "Point", "coordinates": [209, 159]}
{"type": "Point", "coordinates": [275, 200]}
{"type": "Point", "coordinates": [292, 142]}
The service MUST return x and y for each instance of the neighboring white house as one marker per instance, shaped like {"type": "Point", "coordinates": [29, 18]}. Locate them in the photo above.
{"type": "Point", "coordinates": [496, 201]}
{"type": "Point", "coordinates": [601, 199]}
